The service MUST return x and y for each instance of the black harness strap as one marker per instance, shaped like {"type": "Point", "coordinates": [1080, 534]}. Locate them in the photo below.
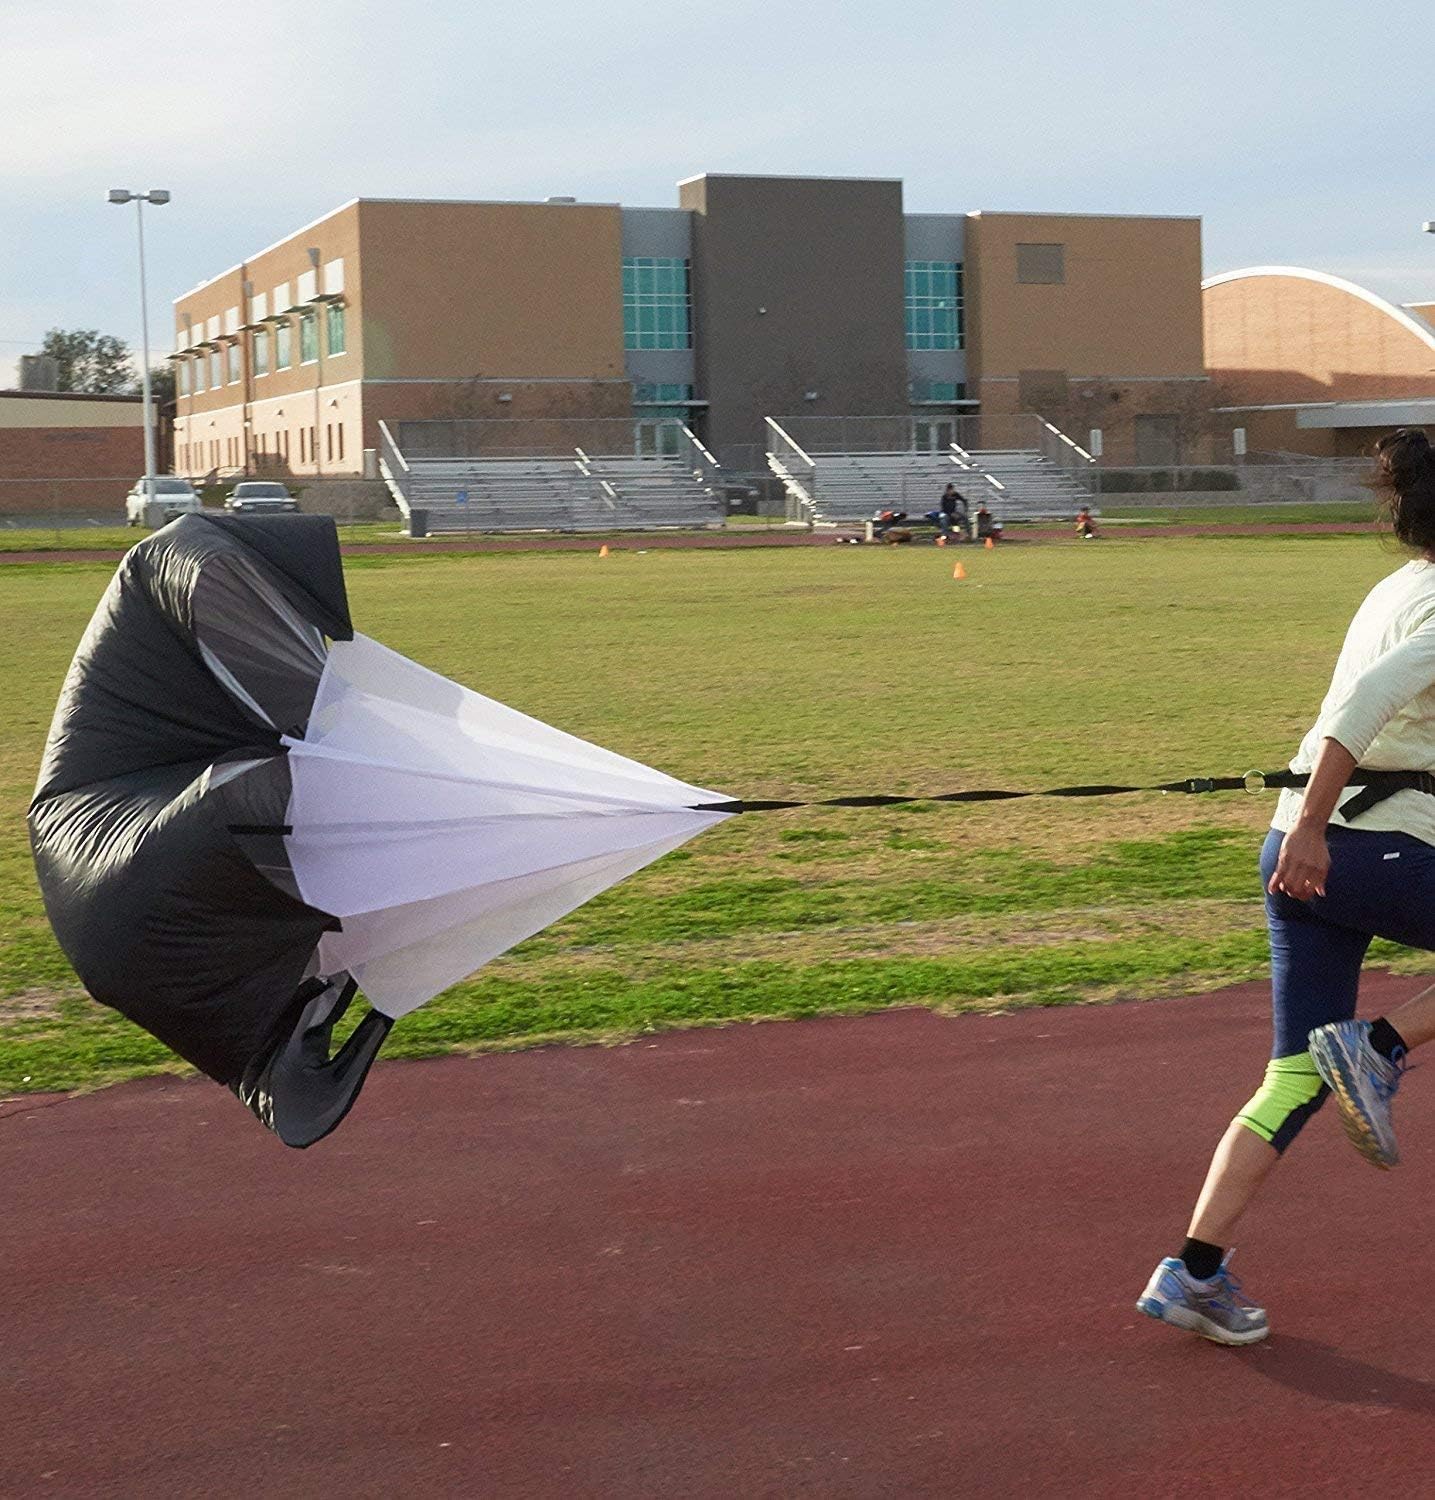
{"type": "Point", "coordinates": [1375, 787]}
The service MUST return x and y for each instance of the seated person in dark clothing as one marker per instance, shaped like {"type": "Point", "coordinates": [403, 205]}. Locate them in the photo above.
{"type": "Point", "coordinates": [953, 510]}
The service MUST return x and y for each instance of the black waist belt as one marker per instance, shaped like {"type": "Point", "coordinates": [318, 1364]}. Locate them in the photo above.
{"type": "Point", "coordinates": [1376, 786]}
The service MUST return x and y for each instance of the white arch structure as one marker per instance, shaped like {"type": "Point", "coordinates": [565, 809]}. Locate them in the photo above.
{"type": "Point", "coordinates": [1407, 320]}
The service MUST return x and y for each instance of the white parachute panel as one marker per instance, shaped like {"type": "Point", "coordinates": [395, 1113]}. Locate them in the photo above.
{"type": "Point", "coordinates": [441, 827]}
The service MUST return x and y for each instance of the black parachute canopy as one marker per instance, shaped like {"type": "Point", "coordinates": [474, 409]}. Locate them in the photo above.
{"type": "Point", "coordinates": [207, 646]}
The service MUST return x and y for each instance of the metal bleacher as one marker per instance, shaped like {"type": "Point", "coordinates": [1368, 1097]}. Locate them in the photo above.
{"type": "Point", "coordinates": [1016, 484]}
{"type": "Point", "coordinates": [555, 492]}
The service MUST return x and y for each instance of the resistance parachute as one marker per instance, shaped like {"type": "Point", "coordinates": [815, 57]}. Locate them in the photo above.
{"type": "Point", "coordinates": [246, 813]}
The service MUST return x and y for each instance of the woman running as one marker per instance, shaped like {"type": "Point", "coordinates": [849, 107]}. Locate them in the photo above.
{"type": "Point", "coordinates": [1339, 871]}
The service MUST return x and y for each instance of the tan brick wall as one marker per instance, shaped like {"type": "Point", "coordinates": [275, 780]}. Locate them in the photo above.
{"type": "Point", "coordinates": [555, 402]}
{"type": "Point", "coordinates": [1130, 304]}
{"type": "Point", "coordinates": [1273, 339]}
{"type": "Point", "coordinates": [457, 290]}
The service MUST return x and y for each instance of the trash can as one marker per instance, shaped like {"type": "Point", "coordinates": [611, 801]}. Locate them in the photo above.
{"type": "Point", "coordinates": [418, 523]}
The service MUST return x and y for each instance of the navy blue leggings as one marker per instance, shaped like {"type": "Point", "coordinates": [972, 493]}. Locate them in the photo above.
{"type": "Point", "coordinates": [1380, 885]}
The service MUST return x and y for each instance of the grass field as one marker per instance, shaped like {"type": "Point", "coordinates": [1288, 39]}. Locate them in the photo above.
{"type": "Point", "coordinates": [97, 538]}
{"type": "Point", "coordinates": [815, 672]}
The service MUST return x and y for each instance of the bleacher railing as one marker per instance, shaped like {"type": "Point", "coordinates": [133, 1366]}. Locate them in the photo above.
{"type": "Point", "coordinates": [394, 467]}
{"type": "Point", "coordinates": [795, 468]}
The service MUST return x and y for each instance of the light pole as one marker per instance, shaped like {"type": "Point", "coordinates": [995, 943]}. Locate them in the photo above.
{"type": "Point", "coordinates": [155, 196]}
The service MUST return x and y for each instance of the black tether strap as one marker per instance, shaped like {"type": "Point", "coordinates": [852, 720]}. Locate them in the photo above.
{"type": "Point", "coordinates": [1375, 786]}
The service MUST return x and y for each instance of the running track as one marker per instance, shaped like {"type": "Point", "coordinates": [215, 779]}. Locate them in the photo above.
{"type": "Point", "coordinates": [730, 541]}
{"type": "Point", "coordinates": [885, 1256]}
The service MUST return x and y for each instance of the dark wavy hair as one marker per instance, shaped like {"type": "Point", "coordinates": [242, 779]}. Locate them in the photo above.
{"type": "Point", "coordinates": [1404, 480]}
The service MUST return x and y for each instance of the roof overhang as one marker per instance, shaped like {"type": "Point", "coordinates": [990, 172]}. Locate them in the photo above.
{"type": "Point", "coordinates": [1419, 412]}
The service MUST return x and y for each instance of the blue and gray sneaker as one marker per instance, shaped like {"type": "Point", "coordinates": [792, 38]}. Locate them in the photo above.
{"type": "Point", "coordinates": [1216, 1309]}
{"type": "Point", "coordinates": [1364, 1084]}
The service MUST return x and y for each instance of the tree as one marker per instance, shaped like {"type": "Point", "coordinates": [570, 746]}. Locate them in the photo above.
{"type": "Point", "coordinates": [91, 362]}
{"type": "Point", "coordinates": [161, 384]}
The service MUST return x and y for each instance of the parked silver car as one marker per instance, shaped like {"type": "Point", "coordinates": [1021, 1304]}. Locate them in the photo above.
{"type": "Point", "coordinates": [171, 498]}
{"type": "Point", "coordinates": [255, 497]}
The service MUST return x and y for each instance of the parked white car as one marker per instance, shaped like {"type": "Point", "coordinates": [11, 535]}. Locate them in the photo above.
{"type": "Point", "coordinates": [172, 497]}
{"type": "Point", "coordinates": [255, 497]}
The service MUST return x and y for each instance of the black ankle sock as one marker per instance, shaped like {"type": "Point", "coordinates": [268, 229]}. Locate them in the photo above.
{"type": "Point", "coordinates": [1202, 1260]}
{"type": "Point", "coordinates": [1386, 1040]}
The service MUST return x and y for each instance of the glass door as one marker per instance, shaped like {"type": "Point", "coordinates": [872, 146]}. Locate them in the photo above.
{"type": "Point", "coordinates": [933, 434]}
{"type": "Point", "coordinates": [657, 437]}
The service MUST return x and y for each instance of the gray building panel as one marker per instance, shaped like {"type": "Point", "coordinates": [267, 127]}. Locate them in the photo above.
{"type": "Point", "coordinates": [936, 237]}
{"type": "Point", "coordinates": [667, 234]}
{"type": "Point", "coordinates": [797, 289]}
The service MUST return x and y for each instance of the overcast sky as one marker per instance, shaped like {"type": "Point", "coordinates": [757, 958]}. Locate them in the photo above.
{"type": "Point", "coordinates": [1300, 132]}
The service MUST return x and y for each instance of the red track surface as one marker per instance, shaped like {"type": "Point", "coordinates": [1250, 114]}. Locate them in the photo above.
{"type": "Point", "coordinates": [888, 1256]}
{"type": "Point", "coordinates": [737, 540]}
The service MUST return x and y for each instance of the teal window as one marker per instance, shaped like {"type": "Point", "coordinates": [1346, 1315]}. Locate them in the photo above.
{"type": "Point", "coordinates": [336, 332]}
{"type": "Point", "coordinates": [676, 396]}
{"type": "Point", "coordinates": [283, 345]}
{"type": "Point", "coordinates": [261, 352]}
{"type": "Point", "coordinates": [231, 356]}
{"type": "Point", "coordinates": [308, 338]}
{"type": "Point", "coordinates": [937, 392]}
{"type": "Point", "coordinates": [216, 370]}
{"type": "Point", "coordinates": [200, 366]}
{"type": "Point", "coordinates": [182, 368]}
{"type": "Point", "coordinates": [933, 297]}
{"type": "Point", "coordinates": [657, 303]}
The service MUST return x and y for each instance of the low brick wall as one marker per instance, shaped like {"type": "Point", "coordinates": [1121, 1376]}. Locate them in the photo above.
{"type": "Point", "coordinates": [68, 470]}
{"type": "Point", "coordinates": [346, 499]}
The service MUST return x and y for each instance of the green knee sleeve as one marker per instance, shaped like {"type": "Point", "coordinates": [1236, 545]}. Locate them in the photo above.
{"type": "Point", "coordinates": [1290, 1095]}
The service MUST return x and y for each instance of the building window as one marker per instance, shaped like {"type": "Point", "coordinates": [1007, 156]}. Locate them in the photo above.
{"type": "Point", "coordinates": [261, 352]}
{"type": "Point", "coordinates": [1041, 265]}
{"type": "Point", "coordinates": [182, 377]}
{"type": "Point", "coordinates": [337, 332]}
{"type": "Point", "coordinates": [308, 338]}
{"type": "Point", "coordinates": [199, 369]}
{"type": "Point", "coordinates": [216, 370]}
{"type": "Point", "coordinates": [231, 355]}
{"type": "Point", "coordinates": [933, 296]}
{"type": "Point", "coordinates": [283, 345]}
{"type": "Point", "coordinates": [657, 303]}
{"type": "Point", "coordinates": [647, 394]}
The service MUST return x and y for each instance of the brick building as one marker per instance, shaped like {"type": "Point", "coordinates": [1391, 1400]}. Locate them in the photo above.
{"type": "Point", "coordinates": [752, 297]}
{"type": "Point", "coordinates": [60, 451]}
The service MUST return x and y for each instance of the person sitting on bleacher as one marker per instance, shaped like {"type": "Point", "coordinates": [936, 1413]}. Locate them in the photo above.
{"type": "Point", "coordinates": [952, 510]}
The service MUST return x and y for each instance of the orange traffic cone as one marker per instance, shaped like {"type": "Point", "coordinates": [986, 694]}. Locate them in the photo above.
{"type": "Point", "coordinates": [959, 571]}
{"type": "Point", "coordinates": [990, 544]}
{"type": "Point", "coordinates": [603, 550]}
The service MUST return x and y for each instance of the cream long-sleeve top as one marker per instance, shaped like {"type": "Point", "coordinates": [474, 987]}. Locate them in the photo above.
{"type": "Point", "coordinates": [1381, 702]}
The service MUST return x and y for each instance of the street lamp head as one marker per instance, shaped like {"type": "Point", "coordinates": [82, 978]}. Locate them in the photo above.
{"type": "Point", "coordinates": [157, 195]}
{"type": "Point", "coordinates": [1429, 226]}
{"type": "Point", "coordinates": [119, 195]}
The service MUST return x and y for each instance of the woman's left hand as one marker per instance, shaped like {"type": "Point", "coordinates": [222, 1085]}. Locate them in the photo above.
{"type": "Point", "coordinates": [1303, 865]}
